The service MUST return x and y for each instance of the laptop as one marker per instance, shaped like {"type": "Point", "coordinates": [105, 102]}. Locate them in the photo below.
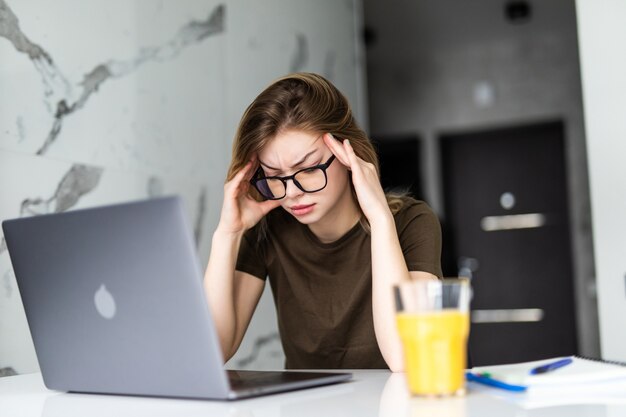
{"type": "Point", "coordinates": [115, 304]}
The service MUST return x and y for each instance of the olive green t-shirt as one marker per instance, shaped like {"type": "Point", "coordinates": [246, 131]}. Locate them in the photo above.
{"type": "Point", "coordinates": [323, 291]}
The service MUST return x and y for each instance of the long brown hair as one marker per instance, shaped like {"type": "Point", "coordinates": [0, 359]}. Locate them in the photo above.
{"type": "Point", "coordinates": [305, 102]}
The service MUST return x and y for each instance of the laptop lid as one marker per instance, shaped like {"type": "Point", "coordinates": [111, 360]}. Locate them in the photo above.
{"type": "Point", "coordinates": [115, 304]}
{"type": "Point", "coordinates": [114, 301]}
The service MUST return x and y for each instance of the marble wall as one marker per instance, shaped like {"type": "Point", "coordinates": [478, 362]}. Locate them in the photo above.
{"type": "Point", "coordinates": [109, 100]}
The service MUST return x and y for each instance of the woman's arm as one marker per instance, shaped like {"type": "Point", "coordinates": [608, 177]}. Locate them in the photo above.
{"type": "Point", "coordinates": [388, 269]}
{"type": "Point", "coordinates": [233, 295]}
{"type": "Point", "coordinates": [388, 265]}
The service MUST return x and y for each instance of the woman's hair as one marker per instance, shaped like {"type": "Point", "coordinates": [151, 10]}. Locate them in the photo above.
{"type": "Point", "coordinates": [304, 102]}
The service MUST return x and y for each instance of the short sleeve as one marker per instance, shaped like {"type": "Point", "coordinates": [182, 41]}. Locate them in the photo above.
{"type": "Point", "coordinates": [250, 257]}
{"type": "Point", "coordinates": [419, 233]}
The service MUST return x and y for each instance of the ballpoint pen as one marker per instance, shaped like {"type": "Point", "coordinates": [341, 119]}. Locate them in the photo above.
{"type": "Point", "coordinates": [486, 379]}
{"type": "Point", "coordinates": [550, 366]}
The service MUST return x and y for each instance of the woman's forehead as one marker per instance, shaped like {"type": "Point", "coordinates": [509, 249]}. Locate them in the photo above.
{"type": "Point", "coordinates": [290, 145]}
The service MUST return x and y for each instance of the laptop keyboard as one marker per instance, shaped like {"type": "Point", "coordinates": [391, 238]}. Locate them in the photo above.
{"type": "Point", "coordinates": [252, 379]}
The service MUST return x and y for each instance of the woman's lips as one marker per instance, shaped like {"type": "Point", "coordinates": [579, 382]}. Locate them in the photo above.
{"type": "Point", "coordinates": [302, 209]}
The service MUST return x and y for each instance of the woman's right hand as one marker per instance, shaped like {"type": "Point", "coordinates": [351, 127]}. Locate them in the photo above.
{"type": "Point", "coordinates": [240, 211]}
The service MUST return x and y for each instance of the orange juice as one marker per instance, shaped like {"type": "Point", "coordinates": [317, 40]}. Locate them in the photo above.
{"type": "Point", "coordinates": [434, 350]}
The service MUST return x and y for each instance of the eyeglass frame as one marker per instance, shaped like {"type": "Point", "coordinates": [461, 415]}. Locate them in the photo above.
{"type": "Point", "coordinates": [257, 177]}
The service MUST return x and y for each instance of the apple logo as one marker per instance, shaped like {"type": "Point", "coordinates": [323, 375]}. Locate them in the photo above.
{"type": "Point", "coordinates": [105, 303]}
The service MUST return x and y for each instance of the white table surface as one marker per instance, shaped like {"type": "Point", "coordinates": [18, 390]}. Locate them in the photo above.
{"type": "Point", "coordinates": [370, 393]}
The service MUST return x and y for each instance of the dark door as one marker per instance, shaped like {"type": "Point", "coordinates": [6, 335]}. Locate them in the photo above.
{"type": "Point", "coordinates": [506, 223]}
{"type": "Point", "coordinates": [399, 158]}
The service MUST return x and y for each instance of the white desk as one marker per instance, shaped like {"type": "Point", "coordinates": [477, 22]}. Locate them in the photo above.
{"type": "Point", "coordinates": [370, 393]}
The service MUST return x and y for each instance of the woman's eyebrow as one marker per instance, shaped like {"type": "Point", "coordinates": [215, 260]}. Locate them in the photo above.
{"type": "Point", "coordinates": [301, 161]}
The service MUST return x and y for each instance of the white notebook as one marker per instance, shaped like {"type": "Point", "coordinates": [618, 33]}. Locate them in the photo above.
{"type": "Point", "coordinates": [584, 381]}
{"type": "Point", "coordinates": [580, 371]}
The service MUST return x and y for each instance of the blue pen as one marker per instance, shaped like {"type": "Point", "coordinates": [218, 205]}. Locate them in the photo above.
{"type": "Point", "coordinates": [487, 380]}
{"type": "Point", "coordinates": [550, 366]}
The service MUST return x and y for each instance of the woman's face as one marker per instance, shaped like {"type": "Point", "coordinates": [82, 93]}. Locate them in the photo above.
{"type": "Point", "coordinates": [291, 151]}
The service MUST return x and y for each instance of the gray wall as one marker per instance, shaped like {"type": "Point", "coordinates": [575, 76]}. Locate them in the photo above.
{"type": "Point", "coordinates": [447, 65]}
{"type": "Point", "coordinates": [109, 100]}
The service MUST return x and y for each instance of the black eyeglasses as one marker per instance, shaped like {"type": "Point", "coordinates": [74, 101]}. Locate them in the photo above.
{"type": "Point", "coordinates": [309, 180]}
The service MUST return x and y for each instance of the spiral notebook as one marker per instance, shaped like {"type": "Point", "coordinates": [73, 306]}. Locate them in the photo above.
{"type": "Point", "coordinates": [579, 371]}
{"type": "Point", "coordinates": [583, 381]}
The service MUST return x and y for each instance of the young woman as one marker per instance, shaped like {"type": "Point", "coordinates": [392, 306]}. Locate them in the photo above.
{"type": "Point", "coordinates": [304, 207]}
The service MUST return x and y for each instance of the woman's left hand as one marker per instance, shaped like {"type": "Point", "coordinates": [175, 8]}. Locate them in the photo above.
{"type": "Point", "coordinates": [364, 177]}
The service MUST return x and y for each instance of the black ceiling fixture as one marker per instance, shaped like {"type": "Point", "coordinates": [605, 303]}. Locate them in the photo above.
{"type": "Point", "coordinates": [369, 36]}
{"type": "Point", "coordinates": [518, 12]}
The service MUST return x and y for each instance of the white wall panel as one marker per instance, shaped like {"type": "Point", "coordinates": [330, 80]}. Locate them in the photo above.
{"type": "Point", "coordinates": [602, 38]}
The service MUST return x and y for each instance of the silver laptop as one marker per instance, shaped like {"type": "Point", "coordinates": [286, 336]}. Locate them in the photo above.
{"type": "Point", "coordinates": [115, 304]}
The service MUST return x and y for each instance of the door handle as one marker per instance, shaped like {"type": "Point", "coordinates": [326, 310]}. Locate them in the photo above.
{"type": "Point", "coordinates": [512, 222]}
{"type": "Point", "coordinates": [516, 315]}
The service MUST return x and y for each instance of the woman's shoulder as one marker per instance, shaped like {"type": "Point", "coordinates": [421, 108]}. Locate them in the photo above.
{"type": "Point", "coordinates": [411, 210]}
{"type": "Point", "coordinates": [409, 205]}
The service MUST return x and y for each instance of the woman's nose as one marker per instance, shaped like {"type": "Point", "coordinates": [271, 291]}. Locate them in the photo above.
{"type": "Point", "coordinates": [292, 189]}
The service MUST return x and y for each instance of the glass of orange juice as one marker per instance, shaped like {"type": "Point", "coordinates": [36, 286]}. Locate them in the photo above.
{"type": "Point", "coordinates": [433, 324]}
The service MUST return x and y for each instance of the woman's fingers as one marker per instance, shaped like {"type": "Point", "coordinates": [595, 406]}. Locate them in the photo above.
{"type": "Point", "coordinates": [268, 205]}
{"type": "Point", "coordinates": [349, 151]}
{"type": "Point", "coordinates": [335, 147]}
{"type": "Point", "coordinates": [243, 172]}
{"type": "Point", "coordinates": [354, 161]}
{"type": "Point", "coordinates": [233, 186]}
{"type": "Point", "coordinates": [362, 171]}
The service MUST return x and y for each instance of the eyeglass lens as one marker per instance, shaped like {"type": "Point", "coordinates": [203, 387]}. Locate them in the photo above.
{"type": "Point", "coordinates": [309, 180]}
